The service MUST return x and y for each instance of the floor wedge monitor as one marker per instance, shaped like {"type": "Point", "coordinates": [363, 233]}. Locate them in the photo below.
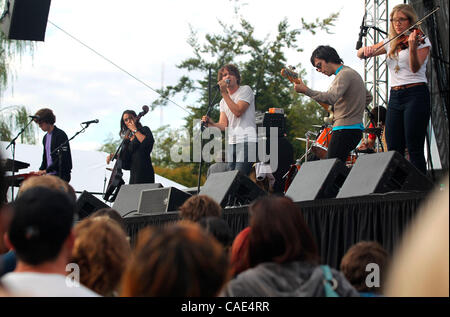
{"type": "Point", "coordinates": [381, 173]}
{"type": "Point", "coordinates": [231, 188]}
{"type": "Point", "coordinates": [161, 200]}
{"type": "Point", "coordinates": [318, 180]}
{"type": "Point", "coordinates": [127, 199]}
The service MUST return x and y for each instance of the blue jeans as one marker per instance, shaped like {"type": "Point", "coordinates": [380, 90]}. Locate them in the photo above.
{"type": "Point", "coordinates": [407, 118]}
{"type": "Point", "coordinates": [238, 157]}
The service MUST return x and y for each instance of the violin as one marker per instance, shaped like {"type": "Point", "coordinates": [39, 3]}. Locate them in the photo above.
{"type": "Point", "coordinates": [403, 39]}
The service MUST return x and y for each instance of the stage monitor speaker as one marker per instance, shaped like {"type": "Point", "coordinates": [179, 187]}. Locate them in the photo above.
{"type": "Point", "coordinates": [231, 188]}
{"type": "Point", "coordinates": [318, 180]}
{"type": "Point", "coordinates": [87, 204]}
{"type": "Point", "coordinates": [161, 200]}
{"type": "Point", "coordinates": [382, 173]}
{"type": "Point", "coordinates": [25, 19]}
{"type": "Point", "coordinates": [127, 199]}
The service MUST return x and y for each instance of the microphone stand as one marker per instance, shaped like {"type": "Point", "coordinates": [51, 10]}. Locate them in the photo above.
{"type": "Point", "coordinates": [202, 128]}
{"type": "Point", "coordinates": [13, 143]}
{"type": "Point", "coordinates": [60, 148]}
{"type": "Point", "coordinates": [372, 120]}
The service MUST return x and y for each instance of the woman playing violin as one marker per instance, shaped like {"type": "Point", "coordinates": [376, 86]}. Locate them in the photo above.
{"type": "Point", "coordinates": [137, 146]}
{"type": "Point", "coordinates": [408, 110]}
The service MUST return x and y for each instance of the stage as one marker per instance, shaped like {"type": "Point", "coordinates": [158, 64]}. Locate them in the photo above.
{"type": "Point", "coordinates": [336, 224]}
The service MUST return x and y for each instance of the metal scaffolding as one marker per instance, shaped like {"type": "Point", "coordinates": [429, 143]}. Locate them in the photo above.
{"type": "Point", "coordinates": [375, 69]}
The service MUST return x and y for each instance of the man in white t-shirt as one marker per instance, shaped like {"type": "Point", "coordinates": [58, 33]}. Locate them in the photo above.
{"type": "Point", "coordinates": [237, 119]}
{"type": "Point", "coordinates": [41, 235]}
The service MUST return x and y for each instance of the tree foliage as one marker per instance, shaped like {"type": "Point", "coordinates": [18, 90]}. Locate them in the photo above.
{"type": "Point", "coordinates": [12, 120]}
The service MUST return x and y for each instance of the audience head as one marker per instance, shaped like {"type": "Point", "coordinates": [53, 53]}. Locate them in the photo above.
{"type": "Point", "coordinates": [49, 181]}
{"type": "Point", "coordinates": [112, 214]}
{"type": "Point", "coordinates": [219, 228]}
{"type": "Point", "coordinates": [41, 224]}
{"type": "Point", "coordinates": [356, 261]}
{"type": "Point", "coordinates": [420, 265]}
{"type": "Point", "coordinates": [279, 233]}
{"type": "Point", "coordinates": [239, 252]}
{"type": "Point", "coordinates": [101, 250]}
{"type": "Point", "coordinates": [180, 260]}
{"type": "Point", "coordinates": [199, 206]}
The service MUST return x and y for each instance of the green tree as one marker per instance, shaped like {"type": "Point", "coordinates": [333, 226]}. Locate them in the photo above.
{"type": "Point", "coordinates": [260, 62]}
{"type": "Point", "coordinates": [12, 120]}
{"type": "Point", "coordinates": [8, 50]}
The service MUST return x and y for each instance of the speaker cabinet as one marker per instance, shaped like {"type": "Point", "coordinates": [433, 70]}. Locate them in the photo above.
{"type": "Point", "coordinates": [318, 180]}
{"type": "Point", "coordinates": [127, 199]}
{"type": "Point", "coordinates": [231, 188]}
{"type": "Point", "coordinates": [25, 19]}
{"type": "Point", "coordinates": [87, 204]}
{"type": "Point", "coordinates": [161, 200]}
{"type": "Point", "coordinates": [382, 173]}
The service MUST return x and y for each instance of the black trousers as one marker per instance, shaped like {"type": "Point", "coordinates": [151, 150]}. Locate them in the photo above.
{"type": "Point", "coordinates": [343, 142]}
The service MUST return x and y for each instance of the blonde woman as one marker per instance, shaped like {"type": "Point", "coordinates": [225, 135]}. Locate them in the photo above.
{"type": "Point", "coordinates": [408, 110]}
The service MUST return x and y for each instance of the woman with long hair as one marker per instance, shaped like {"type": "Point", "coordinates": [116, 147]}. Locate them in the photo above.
{"type": "Point", "coordinates": [408, 111]}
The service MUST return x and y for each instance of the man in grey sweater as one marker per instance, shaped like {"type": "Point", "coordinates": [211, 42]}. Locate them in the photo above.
{"type": "Point", "coordinates": [347, 94]}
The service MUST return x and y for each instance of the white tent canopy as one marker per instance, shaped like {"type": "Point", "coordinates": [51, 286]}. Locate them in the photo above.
{"type": "Point", "coordinates": [89, 170]}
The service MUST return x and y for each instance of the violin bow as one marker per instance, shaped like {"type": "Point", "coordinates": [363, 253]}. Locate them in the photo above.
{"type": "Point", "coordinates": [408, 29]}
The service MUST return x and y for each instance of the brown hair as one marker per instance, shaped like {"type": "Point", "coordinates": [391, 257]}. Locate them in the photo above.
{"type": "Point", "coordinates": [199, 206]}
{"type": "Point", "coordinates": [407, 10]}
{"type": "Point", "coordinates": [279, 233]}
{"type": "Point", "coordinates": [49, 181]}
{"type": "Point", "coordinates": [233, 70]}
{"type": "Point", "coordinates": [356, 259]}
{"type": "Point", "coordinates": [102, 251]}
{"type": "Point", "coordinates": [180, 260]}
{"type": "Point", "coordinates": [45, 115]}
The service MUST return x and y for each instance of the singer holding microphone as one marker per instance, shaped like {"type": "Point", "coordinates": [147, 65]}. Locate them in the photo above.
{"type": "Point", "coordinates": [237, 117]}
{"type": "Point", "coordinates": [53, 138]}
{"type": "Point", "coordinates": [136, 150]}
{"type": "Point", "coordinates": [408, 111]}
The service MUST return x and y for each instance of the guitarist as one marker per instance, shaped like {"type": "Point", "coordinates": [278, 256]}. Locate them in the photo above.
{"type": "Point", "coordinates": [349, 96]}
{"type": "Point", "coordinates": [137, 146]}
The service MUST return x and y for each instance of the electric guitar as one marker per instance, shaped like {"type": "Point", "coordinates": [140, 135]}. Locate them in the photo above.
{"type": "Point", "coordinates": [290, 74]}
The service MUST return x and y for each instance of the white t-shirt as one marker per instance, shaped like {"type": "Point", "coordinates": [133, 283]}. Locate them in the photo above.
{"type": "Point", "coordinates": [243, 128]}
{"type": "Point", "coordinates": [43, 285]}
{"type": "Point", "coordinates": [405, 75]}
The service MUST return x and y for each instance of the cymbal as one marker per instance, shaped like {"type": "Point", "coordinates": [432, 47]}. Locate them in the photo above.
{"type": "Point", "coordinates": [373, 130]}
{"type": "Point", "coordinates": [301, 139]}
{"type": "Point", "coordinates": [317, 126]}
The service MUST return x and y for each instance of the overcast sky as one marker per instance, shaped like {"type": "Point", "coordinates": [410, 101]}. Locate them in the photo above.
{"type": "Point", "coordinates": [147, 39]}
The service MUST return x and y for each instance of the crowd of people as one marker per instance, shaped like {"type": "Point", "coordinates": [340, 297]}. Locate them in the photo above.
{"type": "Point", "coordinates": [45, 250]}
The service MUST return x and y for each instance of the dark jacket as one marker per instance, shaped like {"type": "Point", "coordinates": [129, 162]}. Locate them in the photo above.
{"type": "Point", "coordinates": [135, 157]}
{"type": "Point", "coordinates": [58, 138]}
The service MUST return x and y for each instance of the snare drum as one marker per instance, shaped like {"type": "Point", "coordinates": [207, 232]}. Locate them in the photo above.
{"type": "Point", "coordinates": [320, 146]}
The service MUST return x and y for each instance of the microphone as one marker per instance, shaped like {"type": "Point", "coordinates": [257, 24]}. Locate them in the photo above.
{"type": "Point", "coordinates": [227, 81]}
{"type": "Point", "coordinates": [362, 32]}
{"type": "Point", "coordinates": [34, 117]}
{"type": "Point", "coordinates": [89, 122]}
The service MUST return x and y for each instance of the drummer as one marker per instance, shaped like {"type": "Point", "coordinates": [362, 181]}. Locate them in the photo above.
{"type": "Point", "coordinates": [347, 94]}
{"type": "Point", "coordinates": [377, 116]}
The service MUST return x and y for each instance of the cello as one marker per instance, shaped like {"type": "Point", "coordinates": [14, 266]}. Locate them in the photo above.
{"type": "Point", "coordinates": [116, 180]}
